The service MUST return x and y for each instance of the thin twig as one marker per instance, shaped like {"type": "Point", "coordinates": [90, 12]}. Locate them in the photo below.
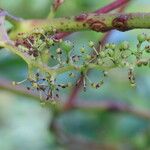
{"type": "Point", "coordinates": [111, 6]}
{"type": "Point", "coordinates": [56, 4]}
{"type": "Point", "coordinates": [7, 85]}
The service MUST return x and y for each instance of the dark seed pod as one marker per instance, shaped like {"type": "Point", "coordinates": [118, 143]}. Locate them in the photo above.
{"type": "Point", "coordinates": [37, 74]}
{"type": "Point", "coordinates": [57, 95]}
{"type": "Point", "coordinates": [145, 63]}
{"type": "Point", "coordinates": [62, 85]}
{"type": "Point", "coordinates": [76, 58]}
{"type": "Point", "coordinates": [72, 75]}
{"type": "Point", "coordinates": [131, 77]}
{"type": "Point", "coordinates": [139, 63]}
{"type": "Point", "coordinates": [147, 49]}
{"type": "Point", "coordinates": [35, 53]}
{"type": "Point", "coordinates": [28, 88]}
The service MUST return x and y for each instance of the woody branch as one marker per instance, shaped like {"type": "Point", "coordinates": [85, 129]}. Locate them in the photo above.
{"type": "Point", "coordinates": [98, 23]}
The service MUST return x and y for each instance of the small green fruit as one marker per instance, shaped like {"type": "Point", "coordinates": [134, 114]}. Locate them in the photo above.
{"type": "Point", "coordinates": [110, 52]}
{"type": "Point", "coordinates": [91, 44]}
{"type": "Point", "coordinates": [141, 38]}
{"type": "Point", "coordinates": [67, 46]}
{"type": "Point", "coordinates": [107, 45]}
{"type": "Point", "coordinates": [112, 46]}
{"type": "Point", "coordinates": [88, 57]}
{"type": "Point", "coordinates": [50, 42]}
{"type": "Point", "coordinates": [14, 83]}
{"type": "Point", "coordinates": [82, 50]}
{"type": "Point", "coordinates": [124, 45]}
{"type": "Point", "coordinates": [102, 54]}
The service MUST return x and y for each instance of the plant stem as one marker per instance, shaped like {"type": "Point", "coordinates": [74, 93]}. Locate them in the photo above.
{"type": "Point", "coordinates": [114, 5]}
{"type": "Point", "coordinates": [98, 23]}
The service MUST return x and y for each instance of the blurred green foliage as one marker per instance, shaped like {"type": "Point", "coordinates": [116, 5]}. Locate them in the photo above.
{"type": "Point", "coordinates": [24, 122]}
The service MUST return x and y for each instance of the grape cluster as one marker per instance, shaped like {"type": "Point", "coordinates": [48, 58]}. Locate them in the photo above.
{"type": "Point", "coordinates": [43, 51]}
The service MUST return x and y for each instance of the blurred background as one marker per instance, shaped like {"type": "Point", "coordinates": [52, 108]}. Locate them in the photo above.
{"type": "Point", "coordinates": [25, 123]}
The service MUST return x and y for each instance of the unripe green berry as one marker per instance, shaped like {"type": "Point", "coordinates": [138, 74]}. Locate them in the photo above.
{"type": "Point", "coordinates": [97, 85]}
{"type": "Point", "coordinates": [112, 46]}
{"type": "Point", "coordinates": [34, 85]}
{"type": "Point", "coordinates": [82, 50]}
{"type": "Point", "coordinates": [124, 45]}
{"type": "Point", "coordinates": [88, 57]}
{"type": "Point", "coordinates": [122, 64]}
{"type": "Point", "coordinates": [107, 45]}
{"type": "Point", "coordinates": [91, 44]}
{"type": "Point", "coordinates": [110, 52]}
{"type": "Point", "coordinates": [145, 63]}
{"type": "Point", "coordinates": [133, 84]}
{"type": "Point", "coordinates": [14, 83]}
{"type": "Point", "coordinates": [102, 54]}
{"type": "Point", "coordinates": [67, 46]}
{"type": "Point", "coordinates": [139, 64]}
{"type": "Point", "coordinates": [100, 61]}
{"type": "Point", "coordinates": [69, 84]}
{"type": "Point", "coordinates": [38, 31]}
{"type": "Point", "coordinates": [75, 58]}
{"type": "Point", "coordinates": [141, 38]}
{"type": "Point", "coordinates": [105, 74]}
{"type": "Point", "coordinates": [50, 42]}
{"type": "Point", "coordinates": [93, 85]}
{"type": "Point", "coordinates": [72, 75]}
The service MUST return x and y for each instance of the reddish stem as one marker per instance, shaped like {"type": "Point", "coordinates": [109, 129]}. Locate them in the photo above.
{"type": "Point", "coordinates": [111, 6]}
{"type": "Point", "coordinates": [56, 4]}
{"type": "Point", "coordinates": [61, 35]}
{"type": "Point", "coordinates": [71, 100]}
